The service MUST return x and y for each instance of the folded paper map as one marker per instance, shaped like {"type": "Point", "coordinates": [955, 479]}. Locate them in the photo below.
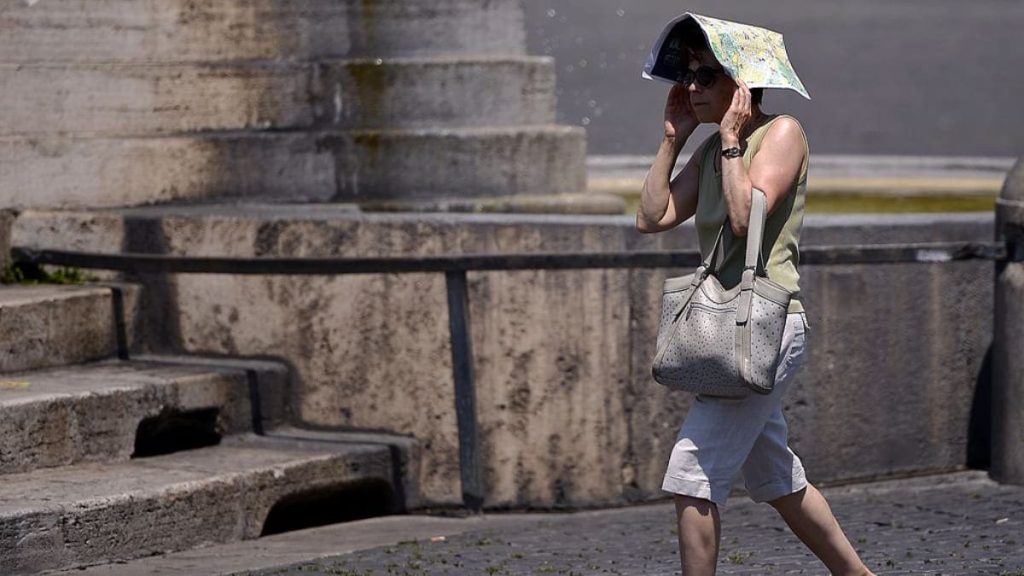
{"type": "Point", "coordinates": [755, 55]}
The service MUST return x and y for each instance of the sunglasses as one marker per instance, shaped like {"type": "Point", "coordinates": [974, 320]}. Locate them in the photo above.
{"type": "Point", "coordinates": [704, 75]}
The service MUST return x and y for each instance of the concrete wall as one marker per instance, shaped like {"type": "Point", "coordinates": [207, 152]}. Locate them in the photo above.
{"type": "Point", "coordinates": [569, 415]}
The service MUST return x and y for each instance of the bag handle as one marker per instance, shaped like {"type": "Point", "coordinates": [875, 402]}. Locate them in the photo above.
{"type": "Point", "coordinates": [753, 256]}
{"type": "Point", "coordinates": [755, 230]}
{"type": "Point", "coordinates": [755, 237]}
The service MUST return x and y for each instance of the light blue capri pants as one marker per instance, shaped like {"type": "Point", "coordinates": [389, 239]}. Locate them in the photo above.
{"type": "Point", "coordinates": [720, 437]}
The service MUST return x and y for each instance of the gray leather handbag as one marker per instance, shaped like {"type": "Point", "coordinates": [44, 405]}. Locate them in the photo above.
{"type": "Point", "coordinates": [720, 342]}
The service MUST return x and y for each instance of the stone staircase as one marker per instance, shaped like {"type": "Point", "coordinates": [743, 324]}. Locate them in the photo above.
{"type": "Point", "coordinates": [105, 459]}
{"type": "Point", "coordinates": [125, 126]}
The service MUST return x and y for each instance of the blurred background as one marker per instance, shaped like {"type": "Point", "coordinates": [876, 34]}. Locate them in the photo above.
{"type": "Point", "coordinates": [913, 103]}
{"type": "Point", "coordinates": [903, 77]}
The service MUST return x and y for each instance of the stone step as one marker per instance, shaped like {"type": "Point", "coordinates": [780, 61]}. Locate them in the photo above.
{"type": "Point", "coordinates": [469, 90]}
{"type": "Point", "coordinates": [150, 99]}
{"type": "Point", "coordinates": [93, 412]}
{"type": "Point", "coordinates": [50, 325]}
{"type": "Point", "coordinates": [345, 166]}
{"type": "Point", "coordinates": [95, 513]}
{"type": "Point", "coordinates": [187, 31]}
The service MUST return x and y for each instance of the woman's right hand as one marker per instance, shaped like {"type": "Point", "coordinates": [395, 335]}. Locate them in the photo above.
{"type": "Point", "coordinates": [679, 116]}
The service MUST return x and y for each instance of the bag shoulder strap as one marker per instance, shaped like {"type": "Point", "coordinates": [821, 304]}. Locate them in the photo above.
{"type": "Point", "coordinates": [755, 229]}
{"type": "Point", "coordinates": [753, 258]}
{"type": "Point", "coordinates": [755, 236]}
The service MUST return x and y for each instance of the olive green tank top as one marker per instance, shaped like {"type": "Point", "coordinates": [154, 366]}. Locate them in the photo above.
{"type": "Point", "coordinates": [780, 248]}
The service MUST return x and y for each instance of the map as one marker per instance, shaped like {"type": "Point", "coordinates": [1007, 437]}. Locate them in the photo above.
{"type": "Point", "coordinates": [755, 55]}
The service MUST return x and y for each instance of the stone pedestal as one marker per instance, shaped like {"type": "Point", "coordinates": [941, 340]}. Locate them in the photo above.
{"type": "Point", "coordinates": [1008, 345]}
{"type": "Point", "coordinates": [388, 105]}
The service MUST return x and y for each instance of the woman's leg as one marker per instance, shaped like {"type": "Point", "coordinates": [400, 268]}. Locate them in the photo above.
{"type": "Point", "coordinates": [700, 531]}
{"type": "Point", "coordinates": [809, 516]}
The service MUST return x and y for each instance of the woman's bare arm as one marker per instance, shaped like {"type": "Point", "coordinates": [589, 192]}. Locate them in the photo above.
{"type": "Point", "coordinates": [773, 170]}
{"type": "Point", "coordinates": [665, 204]}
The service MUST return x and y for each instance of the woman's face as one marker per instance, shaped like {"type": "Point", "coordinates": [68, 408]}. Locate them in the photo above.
{"type": "Point", "coordinates": [710, 103]}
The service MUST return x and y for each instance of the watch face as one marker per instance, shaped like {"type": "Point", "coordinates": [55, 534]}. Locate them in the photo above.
{"type": "Point", "coordinates": [732, 153]}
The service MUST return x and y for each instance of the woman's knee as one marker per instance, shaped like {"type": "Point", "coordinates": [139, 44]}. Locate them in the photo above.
{"type": "Point", "coordinates": [790, 500]}
{"type": "Point", "coordinates": [702, 506]}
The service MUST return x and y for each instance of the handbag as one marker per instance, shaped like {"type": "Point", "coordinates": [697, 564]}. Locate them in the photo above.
{"type": "Point", "coordinates": [723, 342]}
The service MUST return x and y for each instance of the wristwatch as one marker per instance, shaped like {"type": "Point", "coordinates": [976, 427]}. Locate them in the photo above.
{"type": "Point", "coordinates": [733, 152]}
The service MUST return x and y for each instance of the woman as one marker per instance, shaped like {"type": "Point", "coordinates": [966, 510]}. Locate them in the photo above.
{"type": "Point", "coordinates": [721, 438]}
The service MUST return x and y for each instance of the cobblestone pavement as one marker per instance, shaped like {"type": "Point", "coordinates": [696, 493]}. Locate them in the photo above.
{"type": "Point", "coordinates": [950, 524]}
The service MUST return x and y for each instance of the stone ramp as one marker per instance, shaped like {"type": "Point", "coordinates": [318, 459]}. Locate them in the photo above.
{"type": "Point", "coordinates": [94, 513]}
{"type": "Point", "coordinates": [93, 412]}
{"type": "Point", "coordinates": [310, 544]}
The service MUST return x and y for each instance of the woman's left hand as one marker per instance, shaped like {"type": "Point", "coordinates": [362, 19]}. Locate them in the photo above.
{"type": "Point", "coordinates": [736, 116]}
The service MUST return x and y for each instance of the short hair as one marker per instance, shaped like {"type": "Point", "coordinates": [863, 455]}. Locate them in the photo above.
{"type": "Point", "coordinates": [692, 37]}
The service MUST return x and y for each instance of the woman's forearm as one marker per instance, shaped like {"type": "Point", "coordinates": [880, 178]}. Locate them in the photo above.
{"type": "Point", "coordinates": [655, 194]}
{"type": "Point", "coordinates": [736, 188]}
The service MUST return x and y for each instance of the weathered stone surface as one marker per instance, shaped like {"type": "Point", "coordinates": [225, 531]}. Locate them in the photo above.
{"type": "Point", "coordinates": [568, 412]}
{"type": "Point", "coordinates": [550, 367]}
{"type": "Point", "coordinates": [897, 356]}
{"type": "Point", "coordinates": [90, 413]}
{"type": "Point", "coordinates": [147, 99]}
{"type": "Point", "coordinates": [43, 326]}
{"type": "Point", "coordinates": [89, 513]}
{"type": "Point", "coordinates": [294, 166]}
{"type": "Point", "coordinates": [62, 172]}
{"type": "Point", "coordinates": [184, 31]}
{"type": "Point", "coordinates": [119, 99]}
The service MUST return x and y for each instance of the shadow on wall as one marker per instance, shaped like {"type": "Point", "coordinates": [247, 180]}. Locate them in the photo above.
{"type": "Point", "coordinates": [161, 327]}
{"type": "Point", "coordinates": [979, 431]}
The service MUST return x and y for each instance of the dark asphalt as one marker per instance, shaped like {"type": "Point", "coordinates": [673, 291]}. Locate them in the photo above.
{"type": "Point", "coordinates": [957, 524]}
{"type": "Point", "coordinates": [910, 77]}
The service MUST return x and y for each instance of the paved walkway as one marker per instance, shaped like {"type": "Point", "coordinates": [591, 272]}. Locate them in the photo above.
{"type": "Point", "coordinates": [951, 524]}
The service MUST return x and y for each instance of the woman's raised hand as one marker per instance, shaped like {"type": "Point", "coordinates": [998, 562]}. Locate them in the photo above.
{"type": "Point", "coordinates": [679, 116]}
{"type": "Point", "coordinates": [736, 116]}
